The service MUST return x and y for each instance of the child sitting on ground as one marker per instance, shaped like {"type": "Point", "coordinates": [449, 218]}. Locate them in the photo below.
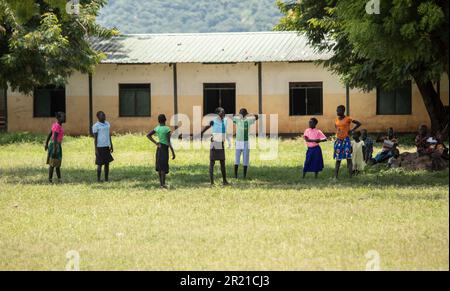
{"type": "Point", "coordinates": [425, 143]}
{"type": "Point", "coordinates": [390, 144]}
{"type": "Point", "coordinates": [434, 147]}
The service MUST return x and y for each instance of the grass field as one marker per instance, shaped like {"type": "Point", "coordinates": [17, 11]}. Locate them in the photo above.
{"type": "Point", "coordinates": [273, 221]}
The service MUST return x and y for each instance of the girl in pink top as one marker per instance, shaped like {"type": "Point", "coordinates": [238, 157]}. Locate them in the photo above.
{"type": "Point", "coordinates": [54, 149]}
{"type": "Point", "coordinates": [314, 159]}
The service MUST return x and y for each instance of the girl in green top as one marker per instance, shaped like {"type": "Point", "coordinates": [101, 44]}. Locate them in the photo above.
{"type": "Point", "coordinates": [162, 152]}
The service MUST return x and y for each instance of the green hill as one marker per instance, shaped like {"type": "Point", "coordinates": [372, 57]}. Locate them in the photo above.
{"type": "Point", "coordinates": [162, 16]}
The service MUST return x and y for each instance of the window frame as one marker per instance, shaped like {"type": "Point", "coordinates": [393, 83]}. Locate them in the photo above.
{"type": "Point", "coordinates": [410, 109]}
{"type": "Point", "coordinates": [307, 85]}
{"type": "Point", "coordinates": [220, 87]}
{"type": "Point", "coordinates": [136, 86]}
{"type": "Point", "coordinates": [49, 88]}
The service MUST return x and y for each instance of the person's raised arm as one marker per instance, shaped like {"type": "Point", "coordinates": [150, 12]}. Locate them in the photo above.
{"type": "Point", "coordinates": [150, 137]}
{"type": "Point", "coordinates": [206, 128]}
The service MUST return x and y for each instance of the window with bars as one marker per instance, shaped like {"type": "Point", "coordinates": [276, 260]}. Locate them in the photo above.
{"type": "Point", "coordinates": [134, 100]}
{"type": "Point", "coordinates": [306, 98]}
{"type": "Point", "coordinates": [219, 95]}
{"type": "Point", "coordinates": [395, 102]}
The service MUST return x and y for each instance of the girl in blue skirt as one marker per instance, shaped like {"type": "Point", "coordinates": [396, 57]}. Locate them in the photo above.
{"type": "Point", "coordinates": [314, 158]}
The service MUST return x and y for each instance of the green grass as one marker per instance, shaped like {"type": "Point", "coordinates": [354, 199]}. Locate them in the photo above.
{"type": "Point", "coordinates": [273, 221]}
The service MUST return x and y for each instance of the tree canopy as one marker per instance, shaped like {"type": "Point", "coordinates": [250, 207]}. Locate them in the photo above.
{"type": "Point", "coordinates": [42, 44]}
{"type": "Point", "coordinates": [405, 40]}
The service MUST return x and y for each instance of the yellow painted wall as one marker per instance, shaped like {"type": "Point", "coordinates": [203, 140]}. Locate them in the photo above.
{"type": "Point", "coordinates": [276, 79]}
{"type": "Point", "coordinates": [191, 77]}
{"type": "Point", "coordinates": [106, 82]}
{"type": "Point", "coordinates": [20, 109]}
{"type": "Point", "coordinates": [363, 107]}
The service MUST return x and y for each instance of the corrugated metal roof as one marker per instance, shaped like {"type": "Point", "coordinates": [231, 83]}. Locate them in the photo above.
{"type": "Point", "coordinates": [239, 47]}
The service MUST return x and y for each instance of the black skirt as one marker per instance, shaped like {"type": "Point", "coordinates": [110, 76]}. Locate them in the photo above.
{"type": "Point", "coordinates": [162, 159]}
{"type": "Point", "coordinates": [217, 152]}
{"type": "Point", "coordinates": [103, 156]}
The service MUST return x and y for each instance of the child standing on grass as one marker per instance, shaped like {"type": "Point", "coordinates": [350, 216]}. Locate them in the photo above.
{"type": "Point", "coordinates": [243, 123]}
{"type": "Point", "coordinates": [103, 145]}
{"type": "Point", "coordinates": [359, 163]}
{"type": "Point", "coordinates": [217, 148]}
{"type": "Point", "coordinates": [162, 152]}
{"type": "Point", "coordinates": [368, 146]}
{"type": "Point", "coordinates": [54, 149]}
{"type": "Point", "coordinates": [343, 145]}
{"type": "Point", "coordinates": [314, 157]}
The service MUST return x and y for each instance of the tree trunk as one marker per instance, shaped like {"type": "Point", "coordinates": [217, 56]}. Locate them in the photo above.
{"type": "Point", "coordinates": [435, 107]}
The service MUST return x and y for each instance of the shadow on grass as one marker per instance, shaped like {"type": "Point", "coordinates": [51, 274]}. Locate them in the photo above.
{"type": "Point", "coordinates": [196, 176]}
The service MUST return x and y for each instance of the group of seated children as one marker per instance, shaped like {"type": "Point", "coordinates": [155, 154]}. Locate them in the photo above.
{"type": "Point", "coordinates": [432, 146]}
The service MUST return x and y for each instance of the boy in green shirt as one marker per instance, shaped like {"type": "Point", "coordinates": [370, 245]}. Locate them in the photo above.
{"type": "Point", "coordinates": [243, 124]}
{"type": "Point", "coordinates": [162, 152]}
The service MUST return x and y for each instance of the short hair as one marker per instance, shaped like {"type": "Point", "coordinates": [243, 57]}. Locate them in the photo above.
{"type": "Point", "coordinates": [341, 107]}
{"type": "Point", "coordinates": [100, 112]}
{"type": "Point", "coordinates": [243, 111]}
{"type": "Point", "coordinates": [357, 133]}
{"type": "Point", "coordinates": [315, 120]}
{"type": "Point", "coordinates": [162, 118]}
{"type": "Point", "coordinates": [59, 114]}
{"type": "Point", "coordinates": [219, 110]}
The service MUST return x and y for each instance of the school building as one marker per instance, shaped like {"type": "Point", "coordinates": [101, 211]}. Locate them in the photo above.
{"type": "Point", "coordinates": [265, 72]}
